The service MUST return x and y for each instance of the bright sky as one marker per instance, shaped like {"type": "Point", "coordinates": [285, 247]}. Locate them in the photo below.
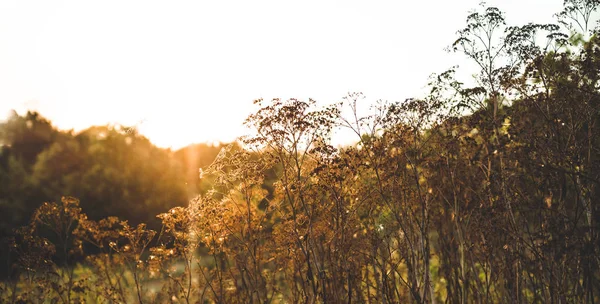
{"type": "Point", "coordinates": [188, 71]}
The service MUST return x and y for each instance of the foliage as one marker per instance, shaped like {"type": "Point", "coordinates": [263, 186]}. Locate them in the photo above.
{"type": "Point", "coordinates": [485, 194]}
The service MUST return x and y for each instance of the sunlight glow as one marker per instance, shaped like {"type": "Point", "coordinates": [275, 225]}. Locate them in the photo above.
{"type": "Point", "coordinates": [189, 70]}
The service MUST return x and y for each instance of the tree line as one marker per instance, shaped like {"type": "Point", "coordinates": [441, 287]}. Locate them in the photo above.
{"type": "Point", "coordinates": [112, 169]}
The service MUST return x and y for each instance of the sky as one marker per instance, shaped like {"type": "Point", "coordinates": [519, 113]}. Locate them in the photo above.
{"type": "Point", "coordinates": [188, 71]}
